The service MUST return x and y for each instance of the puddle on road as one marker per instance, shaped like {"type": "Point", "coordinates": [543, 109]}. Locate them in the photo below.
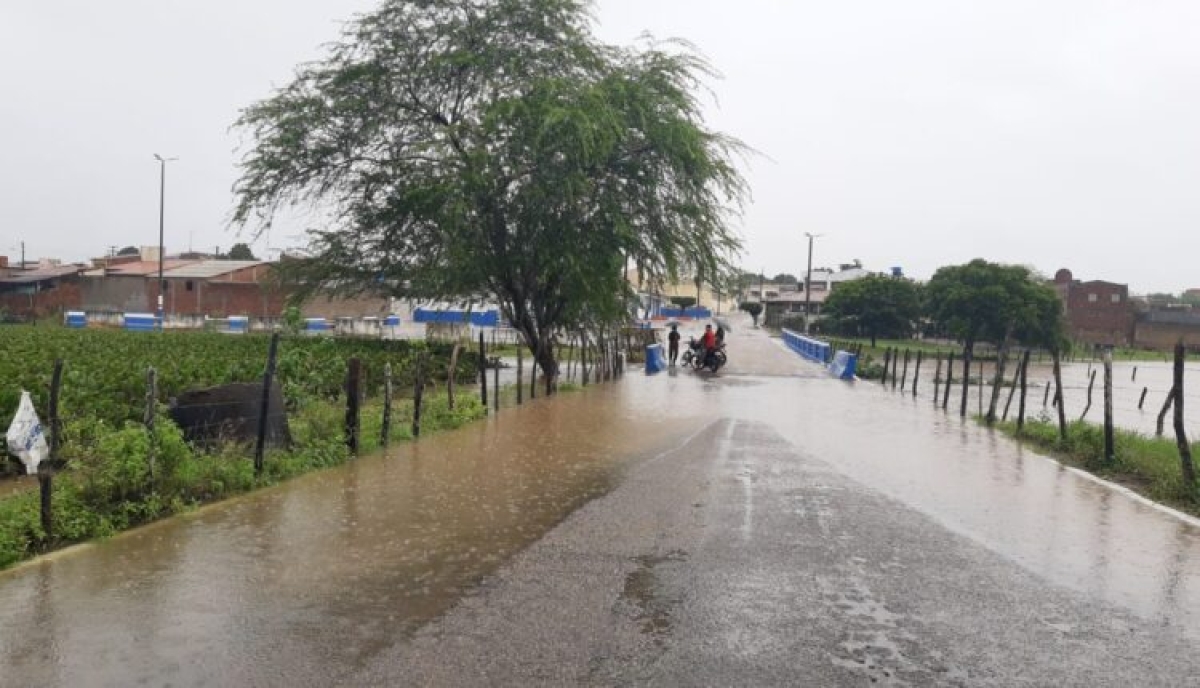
{"type": "Point", "coordinates": [307, 580]}
{"type": "Point", "coordinates": [645, 591]}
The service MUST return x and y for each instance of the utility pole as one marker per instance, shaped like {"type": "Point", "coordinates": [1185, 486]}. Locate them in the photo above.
{"type": "Point", "coordinates": [808, 283]}
{"type": "Point", "coordinates": [162, 199]}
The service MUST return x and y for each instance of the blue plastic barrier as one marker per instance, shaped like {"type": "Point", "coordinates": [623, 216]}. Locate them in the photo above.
{"type": "Point", "coordinates": [239, 324]}
{"type": "Point", "coordinates": [844, 365]}
{"type": "Point", "coordinates": [76, 319]}
{"type": "Point", "coordinates": [141, 322]}
{"type": "Point", "coordinates": [695, 312]}
{"type": "Point", "coordinates": [490, 318]}
{"type": "Point", "coordinates": [655, 361]}
{"type": "Point", "coordinates": [316, 325]}
{"type": "Point", "coordinates": [392, 321]}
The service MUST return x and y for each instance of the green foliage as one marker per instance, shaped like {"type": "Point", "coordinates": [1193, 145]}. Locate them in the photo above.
{"type": "Point", "coordinates": [982, 301]}
{"type": "Point", "coordinates": [874, 306]}
{"type": "Point", "coordinates": [496, 148]}
{"type": "Point", "coordinates": [105, 373]}
{"type": "Point", "coordinates": [754, 308]}
{"type": "Point", "coordinates": [240, 251]}
{"type": "Point", "coordinates": [683, 301]}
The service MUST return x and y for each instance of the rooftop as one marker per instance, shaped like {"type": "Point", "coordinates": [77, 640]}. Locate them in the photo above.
{"type": "Point", "coordinates": [207, 269]}
{"type": "Point", "coordinates": [39, 274]}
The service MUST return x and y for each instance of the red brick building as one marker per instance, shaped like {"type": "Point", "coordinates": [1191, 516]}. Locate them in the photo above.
{"type": "Point", "coordinates": [220, 288]}
{"type": "Point", "coordinates": [1097, 312]}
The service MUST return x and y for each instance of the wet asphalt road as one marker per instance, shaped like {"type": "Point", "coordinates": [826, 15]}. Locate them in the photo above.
{"type": "Point", "coordinates": [737, 558]}
{"type": "Point", "coordinates": [764, 526]}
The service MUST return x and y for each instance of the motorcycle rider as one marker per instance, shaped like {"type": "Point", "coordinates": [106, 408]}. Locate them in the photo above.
{"type": "Point", "coordinates": [708, 343]}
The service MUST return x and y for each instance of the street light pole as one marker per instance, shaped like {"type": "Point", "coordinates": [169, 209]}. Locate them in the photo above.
{"type": "Point", "coordinates": [162, 209]}
{"type": "Point", "coordinates": [808, 283]}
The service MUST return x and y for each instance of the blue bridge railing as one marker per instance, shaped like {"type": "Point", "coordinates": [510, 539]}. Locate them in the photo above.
{"type": "Point", "coordinates": [841, 364]}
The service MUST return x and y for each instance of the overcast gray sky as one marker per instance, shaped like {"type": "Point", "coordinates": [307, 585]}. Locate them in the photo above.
{"type": "Point", "coordinates": [913, 133]}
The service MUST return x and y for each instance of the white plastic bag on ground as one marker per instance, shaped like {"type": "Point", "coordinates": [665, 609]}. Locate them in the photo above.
{"type": "Point", "coordinates": [26, 439]}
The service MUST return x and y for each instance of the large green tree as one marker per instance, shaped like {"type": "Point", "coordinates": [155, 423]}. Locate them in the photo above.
{"type": "Point", "coordinates": [874, 306]}
{"type": "Point", "coordinates": [472, 150]}
{"type": "Point", "coordinates": [983, 301]}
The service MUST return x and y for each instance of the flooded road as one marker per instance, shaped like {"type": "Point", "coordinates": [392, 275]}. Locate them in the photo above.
{"type": "Point", "coordinates": [631, 531]}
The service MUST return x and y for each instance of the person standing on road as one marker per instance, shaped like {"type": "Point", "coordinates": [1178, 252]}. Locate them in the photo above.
{"type": "Point", "coordinates": [673, 344]}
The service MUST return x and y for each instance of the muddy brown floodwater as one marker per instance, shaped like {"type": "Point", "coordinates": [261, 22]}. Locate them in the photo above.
{"type": "Point", "coordinates": [307, 582]}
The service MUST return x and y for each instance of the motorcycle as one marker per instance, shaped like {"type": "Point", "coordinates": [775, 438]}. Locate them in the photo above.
{"type": "Point", "coordinates": [694, 356]}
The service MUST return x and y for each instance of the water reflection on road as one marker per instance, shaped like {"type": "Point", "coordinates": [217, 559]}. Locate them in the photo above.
{"type": "Point", "coordinates": [307, 581]}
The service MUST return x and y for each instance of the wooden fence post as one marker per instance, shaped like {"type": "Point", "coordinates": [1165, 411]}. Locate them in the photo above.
{"type": "Point", "coordinates": [1058, 394]}
{"type": "Point", "coordinates": [1109, 450]}
{"type": "Point", "coordinates": [1142, 399]}
{"type": "Point", "coordinates": [1163, 413]}
{"type": "Point", "coordinates": [1181, 440]}
{"type": "Point", "coordinates": [264, 407]}
{"type": "Point", "coordinates": [1091, 383]}
{"type": "Point", "coordinates": [385, 431]}
{"type": "Point", "coordinates": [450, 374]}
{"type": "Point", "coordinates": [980, 395]}
{"type": "Point", "coordinates": [887, 359]}
{"type": "Point", "coordinates": [917, 373]}
{"type": "Point", "coordinates": [583, 357]}
{"type": "Point", "coordinates": [148, 415]}
{"type": "Point", "coordinates": [997, 379]}
{"type": "Point", "coordinates": [418, 393]}
{"type": "Point", "coordinates": [520, 374]}
{"type": "Point", "coordinates": [949, 381]}
{"type": "Point", "coordinates": [966, 383]}
{"type": "Point", "coordinates": [904, 376]}
{"type": "Point", "coordinates": [496, 381]}
{"type": "Point", "coordinates": [570, 358]}
{"type": "Point", "coordinates": [937, 380]}
{"type": "Point", "coordinates": [46, 475]}
{"type": "Point", "coordinates": [353, 399]}
{"type": "Point", "coordinates": [533, 366]}
{"type": "Point", "coordinates": [483, 390]}
{"type": "Point", "coordinates": [1021, 404]}
{"type": "Point", "coordinates": [1013, 389]}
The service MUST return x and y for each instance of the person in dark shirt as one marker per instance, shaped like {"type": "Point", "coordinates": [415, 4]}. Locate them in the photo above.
{"type": "Point", "coordinates": [673, 344]}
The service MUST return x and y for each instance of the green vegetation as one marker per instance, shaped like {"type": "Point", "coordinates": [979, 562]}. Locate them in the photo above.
{"type": "Point", "coordinates": [105, 370]}
{"type": "Point", "coordinates": [754, 308]}
{"type": "Point", "coordinates": [1148, 465]}
{"type": "Point", "coordinates": [497, 148]}
{"type": "Point", "coordinates": [874, 306]}
{"type": "Point", "coordinates": [107, 484]}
